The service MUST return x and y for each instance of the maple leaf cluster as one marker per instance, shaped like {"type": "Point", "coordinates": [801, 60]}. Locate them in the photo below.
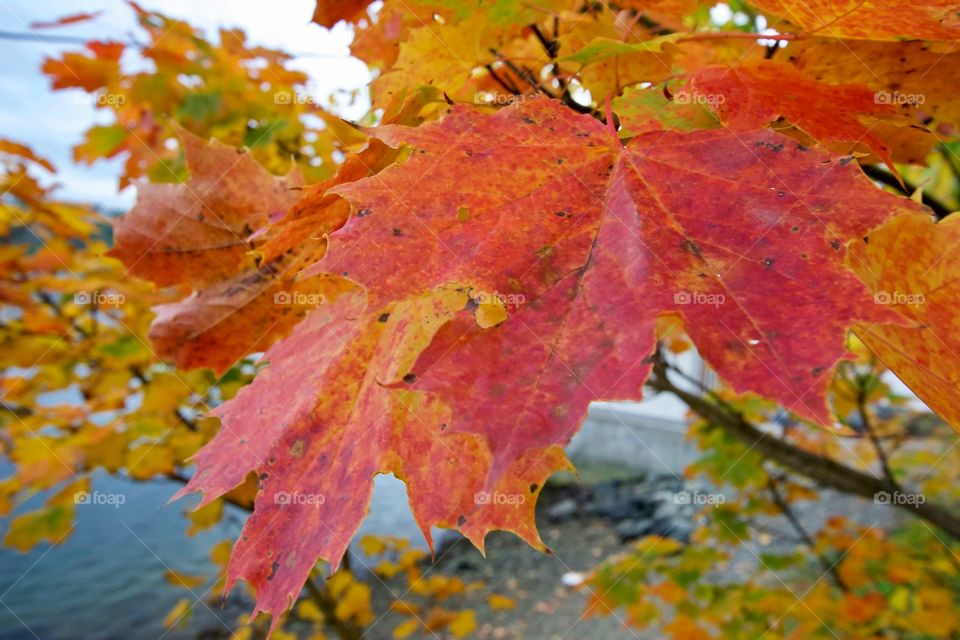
{"type": "Point", "coordinates": [544, 183]}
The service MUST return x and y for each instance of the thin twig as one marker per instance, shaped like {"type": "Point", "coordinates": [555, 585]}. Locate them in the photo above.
{"type": "Point", "coordinates": [867, 425]}
{"type": "Point", "coordinates": [48, 300]}
{"type": "Point", "coordinates": [778, 499]}
{"type": "Point", "coordinates": [512, 88]}
{"type": "Point", "coordinates": [522, 73]}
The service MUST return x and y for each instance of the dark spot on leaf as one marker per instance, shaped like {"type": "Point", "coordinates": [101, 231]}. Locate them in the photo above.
{"type": "Point", "coordinates": [396, 232]}
{"type": "Point", "coordinates": [443, 427]}
{"type": "Point", "coordinates": [794, 228]}
{"type": "Point", "coordinates": [844, 161]}
{"type": "Point", "coordinates": [383, 317]}
{"type": "Point", "coordinates": [410, 378]}
{"type": "Point", "coordinates": [363, 213]}
{"type": "Point", "coordinates": [273, 569]}
{"type": "Point", "coordinates": [533, 487]}
{"type": "Point", "coordinates": [529, 120]}
{"type": "Point", "coordinates": [559, 214]}
{"type": "Point", "coordinates": [462, 520]}
{"type": "Point", "coordinates": [768, 262]}
{"type": "Point", "coordinates": [835, 244]}
{"type": "Point", "coordinates": [866, 239]}
{"type": "Point", "coordinates": [690, 247]}
{"type": "Point", "coordinates": [802, 148]}
{"type": "Point", "coordinates": [817, 371]}
{"type": "Point", "coordinates": [776, 148]}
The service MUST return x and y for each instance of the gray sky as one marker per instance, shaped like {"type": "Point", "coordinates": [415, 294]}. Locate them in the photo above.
{"type": "Point", "coordinates": [52, 122]}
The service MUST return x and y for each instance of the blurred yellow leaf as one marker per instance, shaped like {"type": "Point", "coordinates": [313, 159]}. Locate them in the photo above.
{"type": "Point", "coordinates": [183, 580]}
{"type": "Point", "coordinates": [372, 545]}
{"type": "Point", "coordinates": [29, 529]}
{"type": "Point", "coordinates": [179, 615]}
{"type": "Point", "coordinates": [354, 603]}
{"type": "Point", "coordinates": [308, 610]}
{"type": "Point", "coordinates": [464, 624]}
{"type": "Point", "coordinates": [205, 517]}
{"type": "Point", "coordinates": [497, 601]}
{"type": "Point", "coordinates": [149, 460]}
{"type": "Point", "coordinates": [406, 628]}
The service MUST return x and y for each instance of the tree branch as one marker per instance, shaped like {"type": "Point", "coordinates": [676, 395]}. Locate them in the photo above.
{"type": "Point", "coordinates": [823, 471]}
{"type": "Point", "coordinates": [829, 567]}
{"type": "Point", "coordinates": [872, 434]}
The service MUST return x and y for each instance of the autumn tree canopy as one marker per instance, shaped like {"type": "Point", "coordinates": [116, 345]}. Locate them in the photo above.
{"type": "Point", "coordinates": [441, 290]}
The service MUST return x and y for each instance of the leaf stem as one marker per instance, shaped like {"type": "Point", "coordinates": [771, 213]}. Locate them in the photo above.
{"type": "Point", "coordinates": [611, 125]}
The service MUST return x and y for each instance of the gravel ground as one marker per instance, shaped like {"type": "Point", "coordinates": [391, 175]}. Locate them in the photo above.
{"type": "Point", "coordinates": [591, 528]}
{"type": "Point", "coordinates": [545, 608]}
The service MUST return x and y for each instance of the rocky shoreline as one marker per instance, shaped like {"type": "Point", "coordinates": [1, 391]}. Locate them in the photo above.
{"type": "Point", "coordinates": [583, 524]}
